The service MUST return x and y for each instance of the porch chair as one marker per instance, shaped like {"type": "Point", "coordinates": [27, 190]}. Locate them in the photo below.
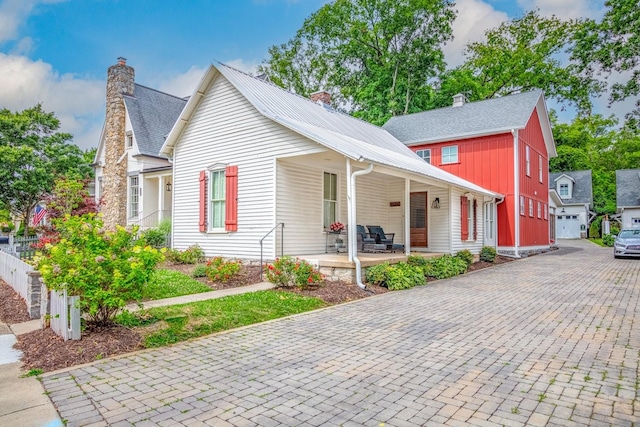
{"type": "Point", "coordinates": [366, 243]}
{"type": "Point", "coordinates": [382, 237]}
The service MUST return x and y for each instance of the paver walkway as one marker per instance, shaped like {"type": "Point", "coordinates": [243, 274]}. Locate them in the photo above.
{"type": "Point", "coordinates": [549, 340]}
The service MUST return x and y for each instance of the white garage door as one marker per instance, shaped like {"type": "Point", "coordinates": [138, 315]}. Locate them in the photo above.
{"type": "Point", "coordinates": [567, 227]}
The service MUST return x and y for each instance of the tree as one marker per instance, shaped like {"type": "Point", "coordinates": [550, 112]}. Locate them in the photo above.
{"type": "Point", "coordinates": [375, 57]}
{"type": "Point", "coordinates": [521, 55]}
{"type": "Point", "coordinates": [613, 45]}
{"type": "Point", "coordinates": [33, 154]}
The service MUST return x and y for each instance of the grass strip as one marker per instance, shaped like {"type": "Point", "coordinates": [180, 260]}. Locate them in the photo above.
{"type": "Point", "coordinates": [170, 283]}
{"type": "Point", "coordinates": [182, 322]}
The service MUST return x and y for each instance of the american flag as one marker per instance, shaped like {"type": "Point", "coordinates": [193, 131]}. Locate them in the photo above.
{"type": "Point", "coordinates": [38, 215]}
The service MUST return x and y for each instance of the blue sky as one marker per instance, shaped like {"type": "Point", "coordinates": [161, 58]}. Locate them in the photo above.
{"type": "Point", "coordinates": [57, 52]}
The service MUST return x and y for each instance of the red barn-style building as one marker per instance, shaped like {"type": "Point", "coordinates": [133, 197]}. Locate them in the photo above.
{"type": "Point", "coordinates": [502, 144]}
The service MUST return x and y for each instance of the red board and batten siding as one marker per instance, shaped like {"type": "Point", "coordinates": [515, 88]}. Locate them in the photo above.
{"type": "Point", "coordinates": [488, 162]}
{"type": "Point", "coordinates": [534, 231]}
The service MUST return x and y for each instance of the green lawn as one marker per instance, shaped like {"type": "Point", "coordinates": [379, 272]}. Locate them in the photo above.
{"type": "Point", "coordinates": [185, 321]}
{"type": "Point", "coordinates": [171, 283]}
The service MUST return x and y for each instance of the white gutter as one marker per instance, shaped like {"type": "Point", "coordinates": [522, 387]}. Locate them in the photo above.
{"type": "Point", "coordinates": [353, 243]}
{"type": "Point", "coordinates": [516, 190]}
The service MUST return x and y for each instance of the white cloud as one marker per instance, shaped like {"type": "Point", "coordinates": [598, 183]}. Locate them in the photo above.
{"type": "Point", "coordinates": [566, 9]}
{"type": "Point", "coordinates": [242, 65]}
{"type": "Point", "coordinates": [474, 18]}
{"type": "Point", "coordinates": [183, 84]}
{"type": "Point", "coordinates": [13, 13]}
{"type": "Point", "coordinates": [78, 103]}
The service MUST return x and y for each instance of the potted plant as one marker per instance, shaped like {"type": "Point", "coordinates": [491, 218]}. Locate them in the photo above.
{"type": "Point", "coordinates": [336, 227]}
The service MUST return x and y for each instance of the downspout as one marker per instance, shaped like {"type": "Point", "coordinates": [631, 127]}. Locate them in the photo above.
{"type": "Point", "coordinates": [353, 245]}
{"type": "Point", "coordinates": [516, 190]}
{"type": "Point", "coordinates": [498, 201]}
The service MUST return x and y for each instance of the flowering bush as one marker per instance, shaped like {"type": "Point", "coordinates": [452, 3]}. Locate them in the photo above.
{"type": "Point", "coordinates": [336, 227]}
{"type": "Point", "coordinates": [288, 271]}
{"type": "Point", "coordinates": [192, 255]}
{"type": "Point", "coordinates": [7, 227]}
{"type": "Point", "coordinates": [220, 270]}
{"type": "Point", "coordinates": [105, 268]}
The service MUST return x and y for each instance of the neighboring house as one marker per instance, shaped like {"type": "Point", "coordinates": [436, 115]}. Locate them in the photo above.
{"type": "Point", "coordinates": [132, 177]}
{"type": "Point", "coordinates": [628, 197]}
{"type": "Point", "coordinates": [572, 195]}
{"type": "Point", "coordinates": [248, 155]}
{"type": "Point", "coordinates": [502, 144]}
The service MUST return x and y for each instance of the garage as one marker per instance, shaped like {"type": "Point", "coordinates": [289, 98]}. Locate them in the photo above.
{"type": "Point", "coordinates": [567, 227]}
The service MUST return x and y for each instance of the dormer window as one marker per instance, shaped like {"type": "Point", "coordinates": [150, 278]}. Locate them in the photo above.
{"type": "Point", "coordinates": [563, 190]}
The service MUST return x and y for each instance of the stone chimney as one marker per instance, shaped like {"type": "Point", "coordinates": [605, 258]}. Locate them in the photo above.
{"type": "Point", "coordinates": [321, 96]}
{"type": "Point", "coordinates": [458, 100]}
{"type": "Point", "coordinates": [120, 81]}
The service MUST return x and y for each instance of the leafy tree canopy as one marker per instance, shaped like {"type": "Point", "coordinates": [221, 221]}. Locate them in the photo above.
{"type": "Point", "coordinates": [374, 56]}
{"type": "Point", "coordinates": [33, 154]}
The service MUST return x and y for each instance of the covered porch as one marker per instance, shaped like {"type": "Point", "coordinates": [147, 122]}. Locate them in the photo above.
{"type": "Point", "coordinates": [155, 198]}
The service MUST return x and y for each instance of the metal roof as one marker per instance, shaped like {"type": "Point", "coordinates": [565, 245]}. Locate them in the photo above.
{"type": "Point", "coordinates": [582, 186]}
{"type": "Point", "coordinates": [491, 116]}
{"type": "Point", "coordinates": [337, 131]}
{"type": "Point", "coordinates": [152, 114]}
{"type": "Point", "coordinates": [628, 188]}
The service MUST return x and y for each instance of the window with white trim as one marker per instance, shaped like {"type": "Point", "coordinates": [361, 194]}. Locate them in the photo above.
{"type": "Point", "coordinates": [470, 219]}
{"type": "Point", "coordinates": [330, 199]}
{"type": "Point", "coordinates": [217, 199]}
{"type": "Point", "coordinates": [134, 195]}
{"type": "Point", "coordinates": [128, 140]}
{"type": "Point", "coordinates": [564, 190]}
{"type": "Point", "coordinates": [450, 154]}
{"type": "Point", "coordinates": [521, 205]}
{"type": "Point", "coordinates": [540, 167]}
{"type": "Point", "coordinates": [635, 222]}
{"type": "Point", "coordinates": [528, 160]}
{"type": "Point", "coordinates": [546, 212]}
{"type": "Point", "coordinates": [425, 155]}
{"type": "Point", "coordinates": [539, 210]}
{"type": "Point", "coordinates": [530, 207]}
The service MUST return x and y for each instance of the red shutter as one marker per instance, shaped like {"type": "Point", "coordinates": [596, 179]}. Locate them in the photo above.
{"type": "Point", "coordinates": [464, 218]}
{"type": "Point", "coordinates": [231, 202]}
{"type": "Point", "coordinates": [475, 219]}
{"type": "Point", "coordinates": [203, 201]}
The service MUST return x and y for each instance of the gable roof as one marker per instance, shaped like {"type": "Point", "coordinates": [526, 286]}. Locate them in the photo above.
{"type": "Point", "coordinates": [582, 186]}
{"type": "Point", "coordinates": [473, 119]}
{"type": "Point", "coordinates": [152, 114]}
{"type": "Point", "coordinates": [628, 188]}
{"type": "Point", "coordinates": [351, 137]}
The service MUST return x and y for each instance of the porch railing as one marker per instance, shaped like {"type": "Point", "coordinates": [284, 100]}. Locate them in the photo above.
{"type": "Point", "coordinates": [280, 224]}
{"type": "Point", "coordinates": [153, 219]}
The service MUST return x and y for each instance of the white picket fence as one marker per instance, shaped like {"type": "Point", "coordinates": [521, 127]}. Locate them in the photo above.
{"type": "Point", "coordinates": [65, 315]}
{"type": "Point", "coordinates": [14, 272]}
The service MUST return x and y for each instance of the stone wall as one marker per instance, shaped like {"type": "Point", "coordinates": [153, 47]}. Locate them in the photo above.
{"type": "Point", "coordinates": [120, 81]}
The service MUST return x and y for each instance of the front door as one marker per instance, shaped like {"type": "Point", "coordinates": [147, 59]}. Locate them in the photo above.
{"type": "Point", "coordinates": [490, 224]}
{"type": "Point", "coordinates": [418, 219]}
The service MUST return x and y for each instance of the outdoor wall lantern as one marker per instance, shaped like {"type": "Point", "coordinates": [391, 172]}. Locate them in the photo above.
{"type": "Point", "coordinates": [562, 211]}
{"type": "Point", "coordinates": [168, 186]}
{"type": "Point", "coordinates": [436, 203]}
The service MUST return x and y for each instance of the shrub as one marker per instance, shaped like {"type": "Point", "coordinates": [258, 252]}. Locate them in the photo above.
{"type": "Point", "coordinates": [199, 271]}
{"type": "Point", "coordinates": [417, 260]}
{"type": "Point", "coordinates": [288, 271]}
{"type": "Point", "coordinates": [608, 240]}
{"type": "Point", "coordinates": [395, 277]}
{"type": "Point", "coordinates": [154, 237]}
{"type": "Point", "coordinates": [220, 270]}
{"type": "Point", "coordinates": [192, 255]}
{"type": "Point", "coordinates": [594, 229]}
{"type": "Point", "coordinates": [466, 256]}
{"type": "Point", "coordinates": [614, 229]}
{"type": "Point", "coordinates": [488, 254]}
{"type": "Point", "coordinates": [105, 268]}
{"type": "Point", "coordinates": [445, 266]}
{"type": "Point", "coordinates": [165, 226]}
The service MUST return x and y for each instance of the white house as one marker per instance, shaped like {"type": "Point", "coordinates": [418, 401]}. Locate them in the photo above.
{"type": "Point", "coordinates": [248, 155]}
{"type": "Point", "coordinates": [628, 197]}
{"type": "Point", "coordinates": [571, 193]}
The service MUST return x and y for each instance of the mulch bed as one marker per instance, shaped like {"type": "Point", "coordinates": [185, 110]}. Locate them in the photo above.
{"type": "Point", "coordinates": [484, 264]}
{"type": "Point", "coordinates": [44, 350]}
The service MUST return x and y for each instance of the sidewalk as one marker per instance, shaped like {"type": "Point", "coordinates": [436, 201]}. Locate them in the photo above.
{"type": "Point", "coordinates": [22, 399]}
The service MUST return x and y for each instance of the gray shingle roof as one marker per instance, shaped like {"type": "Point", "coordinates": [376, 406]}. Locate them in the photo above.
{"type": "Point", "coordinates": [152, 114]}
{"type": "Point", "coordinates": [627, 188]}
{"type": "Point", "coordinates": [582, 186]}
{"type": "Point", "coordinates": [473, 118]}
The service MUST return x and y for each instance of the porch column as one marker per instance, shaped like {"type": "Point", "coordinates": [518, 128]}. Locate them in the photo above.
{"type": "Point", "coordinates": [352, 244]}
{"type": "Point", "coordinates": [407, 216]}
{"type": "Point", "coordinates": [160, 197]}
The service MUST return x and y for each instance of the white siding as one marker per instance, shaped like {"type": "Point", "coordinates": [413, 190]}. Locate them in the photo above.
{"type": "Point", "coordinates": [439, 227]}
{"type": "Point", "coordinates": [226, 129]}
{"type": "Point", "coordinates": [627, 215]}
{"type": "Point", "coordinates": [373, 194]}
{"type": "Point", "coordinates": [457, 244]}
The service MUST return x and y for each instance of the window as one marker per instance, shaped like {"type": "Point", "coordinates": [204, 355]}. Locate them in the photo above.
{"type": "Point", "coordinates": [539, 210]}
{"type": "Point", "coordinates": [217, 199]}
{"type": "Point", "coordinates": [129, 140]}
{"type": "Point", "coordinates": [470, 218]}
{"type": "Point", "coordinates": [134, 196]}
{"type": "Point", "coordinates": [546, 212]}
{"type": "Point", "coordinates": [425, 154]}
{"type": "Point", "coordinates": [488, 220]}
{"type": "Point", "coordinates": [564, 190]}
{"type": "Point", "coordinates": [540, 167]}
{"type": "Point", "coordinates": [528, 160]}
{"type": "Point", "coordinates": [450, 154]}
{"type": "Point", "coordinates": [330, 190]}
{"type": "Point", "coordinates": [521, 205]}
{"type": "Point", "coordinates": [635, 221]}
{"type": "Point", "coordinates": [530, 207]}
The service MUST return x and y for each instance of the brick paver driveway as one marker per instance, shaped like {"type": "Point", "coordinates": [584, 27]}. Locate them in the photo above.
{"type": "Point", "coordinates": [549, 340]}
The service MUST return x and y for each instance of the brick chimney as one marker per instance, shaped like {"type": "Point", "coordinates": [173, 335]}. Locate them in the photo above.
{"type": "Point", "coordinates": [321, 96]}
{"type": "Point", "coordinates": [120, 81]}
